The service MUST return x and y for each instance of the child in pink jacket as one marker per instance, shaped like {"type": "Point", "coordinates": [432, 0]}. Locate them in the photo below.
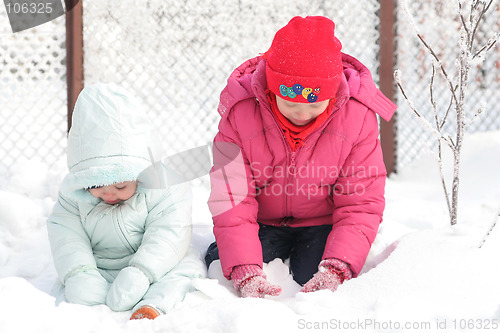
{"type": "Point", "coordinates": [298, 170]}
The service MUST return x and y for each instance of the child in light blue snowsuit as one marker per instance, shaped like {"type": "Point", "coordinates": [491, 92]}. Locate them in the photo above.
{"type": "Point", "coordinates": [113, 240]}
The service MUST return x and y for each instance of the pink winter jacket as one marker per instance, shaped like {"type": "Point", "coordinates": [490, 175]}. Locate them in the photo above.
{"type": "Point", "coordinates": [337, 177]}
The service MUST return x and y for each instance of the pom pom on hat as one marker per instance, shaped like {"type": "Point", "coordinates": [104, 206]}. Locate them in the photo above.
{"type": "Point", "coordinates": [304, 62]}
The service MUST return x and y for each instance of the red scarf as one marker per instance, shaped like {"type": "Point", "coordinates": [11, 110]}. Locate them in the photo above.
{"type": "Point", "coordinates": [295, 135]}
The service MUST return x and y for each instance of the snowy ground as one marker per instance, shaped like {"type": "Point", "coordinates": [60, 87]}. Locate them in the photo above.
{"type": "Point", "coordinates": [421, 276]}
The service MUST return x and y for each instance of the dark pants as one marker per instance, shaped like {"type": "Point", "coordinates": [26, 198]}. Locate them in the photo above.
{"type": "Point", "coordinates": [304, 246]}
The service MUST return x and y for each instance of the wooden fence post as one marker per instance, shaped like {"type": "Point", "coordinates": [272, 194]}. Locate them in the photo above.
{"type": "Point", "coordinates": [74, 53]}
{"type": "Point", "coordinates": [387, 58]}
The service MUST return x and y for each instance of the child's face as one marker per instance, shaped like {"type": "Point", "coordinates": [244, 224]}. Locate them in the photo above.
{"type": "Point", "coordinates": [113, 194]}
{"type": "Point", "coordinates": [301, 114]}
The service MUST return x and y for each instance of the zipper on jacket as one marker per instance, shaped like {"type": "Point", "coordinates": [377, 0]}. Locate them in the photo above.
{"type": "Point", "coordinates": [292, 167]}
{"type": "Point", "coordinates": [293, 157]}
{"type": "Point", "coordinates": [118, 219]}
{"type": "Point", "coordinates": [288, 149]}
{"type": "Point", "coordinates": [290, 179]}
{"type": "Point", "coordinates": [285, 220]}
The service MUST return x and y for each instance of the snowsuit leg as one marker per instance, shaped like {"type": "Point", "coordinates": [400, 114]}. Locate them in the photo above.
{"type": "Point", "coordinates": [173, 287]}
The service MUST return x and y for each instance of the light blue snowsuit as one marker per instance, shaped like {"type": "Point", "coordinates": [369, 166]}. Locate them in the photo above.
{"type": "Point", "coordinates": [128, 254]}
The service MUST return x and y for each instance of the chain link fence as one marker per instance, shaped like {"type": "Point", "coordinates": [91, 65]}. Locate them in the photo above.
{"type": "Point", "coordinates": [438, 22]}
{"type": "Point", "coordinates": [33, 102]}
{"type": "Point", "coordinates": [177, 55]}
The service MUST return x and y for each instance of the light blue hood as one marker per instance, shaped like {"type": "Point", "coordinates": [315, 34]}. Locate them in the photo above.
{"type": "Point", "coordinates": [109, 139]}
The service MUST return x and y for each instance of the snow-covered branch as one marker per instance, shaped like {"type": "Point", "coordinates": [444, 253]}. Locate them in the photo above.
{"type": "Point", "coordinates": [488, 46]}
{"type": "Point", "coordinates": [457, 88]}
{"type": "Point", "coordinates": [423, 121]}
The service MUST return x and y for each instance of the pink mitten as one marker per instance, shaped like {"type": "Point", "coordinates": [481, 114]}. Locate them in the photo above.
{"type": "Point", "coordinates": [251, 281]}
{"type": "Point", "coordinates": [331, 274]}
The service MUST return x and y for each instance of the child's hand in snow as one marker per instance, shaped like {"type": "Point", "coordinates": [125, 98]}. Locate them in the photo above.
{"type": "Point", "coordinates": [331, 274]}
{"type": "Point", "coordinates": [251, 281]}
{"type": "Point", "coordinates": [258, 286]}
{"type": "Point", "coordinates": [87, 288]}
{"type": "Point", "coordinates": [325, 278]}
{"type": "Point", "coordinates": [128, 289]}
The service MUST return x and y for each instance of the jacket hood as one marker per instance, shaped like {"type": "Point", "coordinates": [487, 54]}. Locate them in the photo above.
{"type": "Point", "coordinates": [249, 81]}
{"type": "Point", "coordinates": [110, 138]}
{"type": "Point", "coordinates": [362, 88]}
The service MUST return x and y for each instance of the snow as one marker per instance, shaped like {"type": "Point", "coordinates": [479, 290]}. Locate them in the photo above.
{"type": "Point", "coordinates": [421, 275]}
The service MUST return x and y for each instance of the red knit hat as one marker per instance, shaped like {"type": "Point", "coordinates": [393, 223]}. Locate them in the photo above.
{"type": "Point", "coordinates": [304, 63]}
